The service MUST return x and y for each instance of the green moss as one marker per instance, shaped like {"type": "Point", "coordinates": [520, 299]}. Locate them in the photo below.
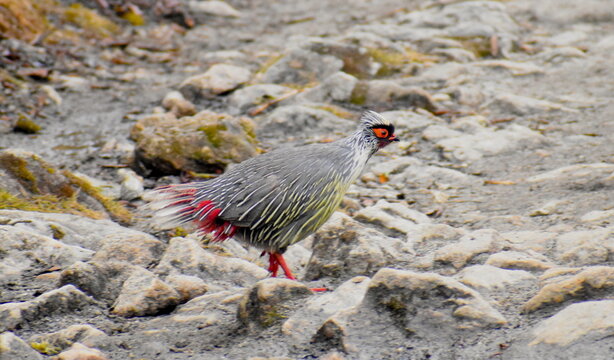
{"type": "Point", "coordinates": [213, 131]}
{"type": "Point", "coordinates": [18, 167]}
{"type": "Point", "coordinates": [179, 232]}
{"type": "Point", "coordinates": [250, 129]}
{"type": "Point", "coordinates": [46, 203]}
{"type": "Point", "coordinates": [69, 147]}
{"type": "Point", "coordinates": [90, 21]}
{"type": "Point", "coordinates": [359, 94]}
{"type": "Point", "coordinates": [269, 318]}
{"type": "Point", "coordinates": [134, 18]}
{"type": "Point", "coordinates": [478, 45]}
{"type": "Point", "coordinates": [388, 57]}
{"type": "Point", "coordinates": [393, 61]}
{"type": "Point", "coordinates": [395, 305]}
{"type": "Point", "coordinates": [45, 348]}
{"type": "Point", "coordinates": [115, 209]}
{"type": "Point", "coordinates": [57, 232]}
{"type": "Point", "coordinates": [26, 125]}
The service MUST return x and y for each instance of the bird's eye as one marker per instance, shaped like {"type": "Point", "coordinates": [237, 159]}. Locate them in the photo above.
{"type": "Point", "coordinates": [380, 133]}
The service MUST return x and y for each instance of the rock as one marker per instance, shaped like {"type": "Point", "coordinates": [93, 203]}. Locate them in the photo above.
{"type": "Point", "coordinates": [30, 183]}
{"type": "Point", "coordinates": [103, 281]}
{"type": "Point", "coordinates": [587, 318]}
{"type": "Point", "coordinates": [489, 17]}
{"type": "Point", "coordinates": [269, 301]}
{"type": "Point", "coordinates": [188, 287]}
{"type": "Point", "coordinates": [65, 299]}
{"type": "Point", "coordinates": [205, 142]}
{"type": "Point", "coordinates": [538, 241]}
{"type": "Point", "coordinates": [178, 105]}
{"type": "Point", "coordinates": [301, 121]}
{"type": "Point", "coordinates": [580, 331]}
{"type": "Point", "coordinates": [515, 68]}
{"type": "Point", "coordinates": [72, 83]}
{"type": "Point", "coordinates": [424, 308]}
{"type": "Point", "coordinates": [382, 92]}
{"type": "Point", "coordinates": [548, 208]}
{"type": "Point", "coordinates": [62, 339]}
{"type": "Point", "coordinates": [470, 246]}
{"type": "Point", "coordinates": [217, 8]}
{"type": "Point", "coordinates": [515, 260]}
{"type": "Point", "coordinates": [52, 94]}
{"type": "Point", "coordinates": [591, 280]}
{"type": "Point", "coordinates": [24, 251]}
{"type": "Point", "coordinates": [592, 11]}
{"type": "Point", "coordinates": [421, 175]}
{"type": "Point", "coordinates": [304, 323]}
{"type": "Point", "coordinates": [410, 120]}
{"type": "Point", "coordinates": [204, 312]}
{"type": "Point", "coordinates": [522, 105]}
{"type": "Point", "coordinates": [131, 185]}
{"type": "Point", "coordinates": [356, 59]}
{"type": "Point", "coordinates": [484, 142]}
{"type": "Point", "coordinates": [224, 56]}
{"type": "Point", "coordinates": [456, 54]}
{"type": "Point", "coordinates": [187, 257]}
{"type": "Point", "coordinates": [490, 278]}
{"type": "Point", "coordinates": [395, 289]}
{"type": "Point", "coordinates": [392, 216]}
{"type": "Point", "coordinates": [81, 352]}
{"type": "Point", "coordinates": [138, 249]}
{"type": "Point", "coordinates": [393, 166]}
{"type": "Point", "coordinates": [337, 87]}
{"type": "Point", "coordinates": [251, 96]}
{"type": "Point", "coordinates": [605, 217]}
{"type": "Point", "coordinates": [585, 247]}
{"type": "Point", "coordinates": [13, 348]}
{"type": "Point", "coordinates": [561, 54]}
{"type": "Point", "coordinates": [429, 234]}
{"type": "Point", "coordinates": [343, 248]}
{"type": "Point", "coordinates": [144, 294]}
{"type": "Point", "coordinates": [69, 229]}
{"type": "Point", "coordinates": [574, 173]}
{"type": "Point", "coordinates": [471, 95]}
{"type": "Point", "coordinates": [301, 67]}
{"type": "Point", "coordinates": [219, 79]}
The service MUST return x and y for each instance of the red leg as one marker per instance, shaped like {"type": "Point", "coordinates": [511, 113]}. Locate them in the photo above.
{"type": "Point", "coordinates": [282, 262]}
{"type": "Point", "coordinates": [276, 260]}
{"type": "Point", "coordinates": [273, 265]}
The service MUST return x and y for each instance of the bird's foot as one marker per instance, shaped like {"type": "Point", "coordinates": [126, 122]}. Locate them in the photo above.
{"type": "Point", "coordinates": [323, 289]}
{"type": "Point", "coordinates": [276, 260]}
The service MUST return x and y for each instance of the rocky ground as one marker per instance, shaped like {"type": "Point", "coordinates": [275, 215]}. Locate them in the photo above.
{"type": "Point", "coordinates": [486, 233]}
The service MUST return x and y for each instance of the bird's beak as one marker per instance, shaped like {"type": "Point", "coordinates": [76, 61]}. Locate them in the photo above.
{"type": "Point", "coordinates": [393, 138]}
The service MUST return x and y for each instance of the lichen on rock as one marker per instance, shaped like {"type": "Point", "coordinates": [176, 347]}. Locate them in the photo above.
{"type": "Point", "coordinates": [205, 142]}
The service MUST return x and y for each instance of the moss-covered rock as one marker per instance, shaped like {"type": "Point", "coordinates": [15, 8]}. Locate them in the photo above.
{"type": "Point", "coordinates": [205, 142]}
{"type": "Point", "coordinates": [27, 182]}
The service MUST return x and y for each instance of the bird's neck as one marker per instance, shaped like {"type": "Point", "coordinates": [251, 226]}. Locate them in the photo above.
{"type": "Point", "coordinates": [360, 144]}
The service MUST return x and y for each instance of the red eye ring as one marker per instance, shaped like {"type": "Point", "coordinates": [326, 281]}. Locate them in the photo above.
{"type": "Point", "coordinates": [380, 133]}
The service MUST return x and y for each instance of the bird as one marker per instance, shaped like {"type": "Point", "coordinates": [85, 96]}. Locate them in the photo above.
{"type": "Point", "coordinates": [278, 198]}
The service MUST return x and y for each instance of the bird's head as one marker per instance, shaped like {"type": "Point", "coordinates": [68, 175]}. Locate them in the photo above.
{"type": "Point", "coordinates": [376, 129]}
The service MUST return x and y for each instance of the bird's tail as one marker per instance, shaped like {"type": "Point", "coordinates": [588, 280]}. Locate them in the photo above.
{"type": "Point", "coordinates": [172, 205]}
{"type": "Point", "coordinates": [177, 205]}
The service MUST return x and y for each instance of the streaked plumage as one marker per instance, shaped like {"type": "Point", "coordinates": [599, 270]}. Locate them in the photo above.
{"type": "Point", "coordinates": [276, 199]}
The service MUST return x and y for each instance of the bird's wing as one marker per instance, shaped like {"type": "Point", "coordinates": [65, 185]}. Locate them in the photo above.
{"type": "Point", "coordinates": [278, 187]}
